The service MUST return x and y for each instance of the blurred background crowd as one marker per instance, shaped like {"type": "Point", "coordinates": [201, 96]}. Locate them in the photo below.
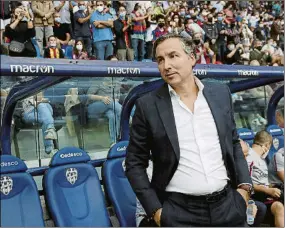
{"type": "Point", "coordinates": [225, 32]}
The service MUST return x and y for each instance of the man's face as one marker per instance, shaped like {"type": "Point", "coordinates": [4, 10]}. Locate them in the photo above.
{"type": "Point", "coordinates": [174, 64]}
{"type": "Point", "coordinates": [122, 10]}
{"type": "Point", "coordinates": [57, 17]}
{"type": "Point", "coordinates": [100, 3]}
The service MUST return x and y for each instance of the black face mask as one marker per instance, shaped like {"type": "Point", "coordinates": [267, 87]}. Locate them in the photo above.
{"type": "Point", "coordinates": [160, 25]}
{"type": "Point", "coordinates": [259, 48]}
{"type": "Point", "coordinates": [196, 42]}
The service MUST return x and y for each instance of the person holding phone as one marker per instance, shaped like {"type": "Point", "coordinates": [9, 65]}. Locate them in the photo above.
{"type": "Point", "coordinates": [20, 31]}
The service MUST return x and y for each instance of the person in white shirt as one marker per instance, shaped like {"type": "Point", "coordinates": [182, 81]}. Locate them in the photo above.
{"type": "Point", "coordinates": [259, 174]}
{"type": "Point", "coordinates": [200, 176]}
{"type": "Point", "coordinates": [260, 208]}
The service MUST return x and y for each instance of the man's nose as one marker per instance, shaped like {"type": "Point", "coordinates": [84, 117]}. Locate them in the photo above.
{"type": "Point", "coordinates": [167, 64]}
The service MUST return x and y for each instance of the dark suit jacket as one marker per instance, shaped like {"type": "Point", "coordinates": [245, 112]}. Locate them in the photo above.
{"type": "Point", "coordinates": [153, 130]}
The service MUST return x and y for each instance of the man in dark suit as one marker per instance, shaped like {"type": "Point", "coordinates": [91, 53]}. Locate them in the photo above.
{"type": "Point", "coordinates": [200, 176]}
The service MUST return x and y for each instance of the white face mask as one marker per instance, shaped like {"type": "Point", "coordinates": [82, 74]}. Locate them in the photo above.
{"type": "Point", "coordinates": [231, 47]}
{"type": "Point", "coordinates": [57, 19]}
{"type": "Point", "coordinates": [100, 8]}
{"type": "Point", "coordinates": [52, 44]}
{"type": "Point", "coordinates": [79, 47]}
{"type": "Point", "coordinates": [25, 3]}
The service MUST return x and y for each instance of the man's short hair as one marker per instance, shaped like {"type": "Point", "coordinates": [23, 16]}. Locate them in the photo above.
{"type": "Point", "coordinates": [186, 42]}
{"type": "Point", "coordinates": [262, 137]}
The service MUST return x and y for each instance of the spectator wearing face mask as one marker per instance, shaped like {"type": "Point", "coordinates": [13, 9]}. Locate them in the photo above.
{"type": "Point", "coordinates": [203, 52]}
{"type": "Point", "coordinates": [122, 30]}
{"type": "Point", "coordinates": [221, 40]}
{"type": "Point", "coordinates": [61, 31]}
{"type": "Point", "coordinates": [160, 29]}
{"type": "Point", "coordinates": [43, 21]}
{"type": "Point", "coordinates": [53, 52]}
{"type": "Point", "coordinates": [183, 13]}
{"type": "Point", "coordinates": [102, 24]}
{"type": "Point", "coordinates": [255, 53]}
{"type": "Point", "coordinates": [79, 52]}
{"type": "Point", "coordinates": [20, 32]}
{"type": "Point", "coordinates": [64, 8]}
{"type": "Point", "coordinates": [82, 25]}
{"type": "Point", "coordinates": [211, 30]}
{"type": "Point", "coordinates": [233, 53]}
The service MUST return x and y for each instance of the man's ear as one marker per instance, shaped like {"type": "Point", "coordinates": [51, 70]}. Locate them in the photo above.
{"type": "Point", "coordinates": [193, 58]}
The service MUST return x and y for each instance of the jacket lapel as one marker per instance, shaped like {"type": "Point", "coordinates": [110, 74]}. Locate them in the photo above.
{"type": "Point", "coordinates": [165, 110]}
{"type": "Point", "coordinates": [217, 112]}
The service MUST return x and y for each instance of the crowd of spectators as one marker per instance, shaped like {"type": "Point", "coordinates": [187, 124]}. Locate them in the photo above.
{"type": "Point", "coordinates": [225, 32]}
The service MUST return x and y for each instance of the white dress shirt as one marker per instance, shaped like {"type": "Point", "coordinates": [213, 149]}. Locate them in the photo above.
{"type": "Point", "coordinates": [201, 169]}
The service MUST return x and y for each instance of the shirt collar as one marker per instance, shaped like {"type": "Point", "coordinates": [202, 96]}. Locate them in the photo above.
{"type": "Point", "coordinates": [197, 81]}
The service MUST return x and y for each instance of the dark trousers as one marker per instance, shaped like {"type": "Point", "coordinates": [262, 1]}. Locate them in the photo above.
{"type": "Point", "coordinates": [260, 215]}
{"type": "Point", "coordinates": [181, 210]}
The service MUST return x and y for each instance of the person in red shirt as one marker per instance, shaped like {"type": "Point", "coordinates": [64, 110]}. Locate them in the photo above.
{"type": "Point", "coordinates": [161, 29]}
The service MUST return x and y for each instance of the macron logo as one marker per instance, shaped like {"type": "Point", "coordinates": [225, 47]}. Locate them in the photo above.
{"type": "Point", "coordinates": [31, 69]}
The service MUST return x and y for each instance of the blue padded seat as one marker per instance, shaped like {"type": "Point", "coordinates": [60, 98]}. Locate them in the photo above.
{"type": "Point", "coordinates": [20, 201]}
{"type": "Point", "coordinates": [246, 135]}
{"type": "Point", "coordinates": [117, 186]}
{"type": "Point", "coordinates": [278, 139]}
{"type": "Point", "coordinates": [73, 191]}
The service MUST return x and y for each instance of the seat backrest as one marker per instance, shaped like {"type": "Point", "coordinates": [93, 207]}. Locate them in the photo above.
{"type": "Point", "coordinates": [278, 139]}
{"type": "Point", "coordinates": [117, 186]}
{"type": "Point", "coordinates": [20, 201]}
{"type": "Point", "coordinates": [246, 135]}
{"type": "Point", "coordinates": [73, 192]}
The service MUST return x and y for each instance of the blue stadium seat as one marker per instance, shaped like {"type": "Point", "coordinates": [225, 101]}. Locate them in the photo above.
{"type": "Point", "coordinates": [73, 191]}
{"type": "Point", "coordinates": [246, 135]}
{"type": "Point", "coordinates": [117, 186]}
{"type": "Point", "coordinates": [20, 201]}
{"type": "Point", "coordinates": [69, 52]}
{"type": "Point", "coordinates": [278, 139]}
